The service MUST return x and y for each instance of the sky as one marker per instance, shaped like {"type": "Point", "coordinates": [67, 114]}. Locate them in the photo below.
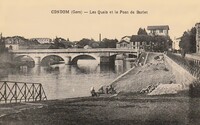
{"type": "Point", "coordinates": [33, 18]}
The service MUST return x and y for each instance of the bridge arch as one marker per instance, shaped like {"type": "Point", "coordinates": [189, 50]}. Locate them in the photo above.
{"type": "Point", "coordinates": [75, 58]}
{"type": "Point", "coordinates": [24, 60]}
{"type": "Point", "coordinates": [51, 59]}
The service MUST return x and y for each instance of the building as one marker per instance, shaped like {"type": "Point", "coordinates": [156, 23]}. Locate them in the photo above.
{"type": "Point", "coordinates": [175, 44]}
{"type": "Point", "coordinates": [124, 43]}
{"type": "Point", "coordinates": [162, 30]}
{"type": "Point", "coordinates": [197, 37]}
{"type": "Point", "coordinates": [2, 44]}
{"type": "Point", "coordinates": [42, 40]}
{"type": "Point", "coordinates": [138, 46]}
{"type": "Point", "coordinates": [12, 43]}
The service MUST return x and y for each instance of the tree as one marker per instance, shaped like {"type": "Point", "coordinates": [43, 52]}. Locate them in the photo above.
{"type": "Point", "coordinates": [193, 40]}
{"type": "Point", "coordinates": [141, 38]}
{"type": "Point", "coordinates": [157, 43]}
{"type": "Point", "coordinates": [108, 43]}
{"type": "Point", "coordinates": [58, 43]}
{"type": "Point", "coordinates": [185, 43]}
{"type": "Point", "coordinates": [85, 41]}
{"type": "Point", "coordinates": [2, 45]}
{"type": "Point", "coordinates": [162, 43]}
{"type": "Point", "coordinates": [141, 31]}
{"type": "Point", "coordinates": [188, 42]}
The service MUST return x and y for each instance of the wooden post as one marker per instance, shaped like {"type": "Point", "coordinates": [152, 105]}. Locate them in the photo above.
{"type": "Point", "coordinates": [25, 92]}
{"type": "Point", "coordinates": [5, 93]}
{"type": "Point", "coordinates": [15, 92]}
{"type": "Point", "coordinates": [40, 91]}
{"type": "Point", "coordinates": [33, 94]}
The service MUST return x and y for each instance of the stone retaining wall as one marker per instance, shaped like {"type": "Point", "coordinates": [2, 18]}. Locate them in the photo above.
{"type": "Point", "coordinates": [182, 76]}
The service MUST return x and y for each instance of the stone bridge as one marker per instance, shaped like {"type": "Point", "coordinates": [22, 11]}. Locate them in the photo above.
{"type": "Point", "coordinates": [71, 56]}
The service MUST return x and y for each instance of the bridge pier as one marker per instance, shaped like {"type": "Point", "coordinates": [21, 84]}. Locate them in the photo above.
{"type": "Point", "coordinates": [67, 60]}
{"type": "Point", "coordinates": [104, 58]}
{"type": "Point", "coordinates": [119, 63]}
{"type": "Point", "coordinates": [37, 60]}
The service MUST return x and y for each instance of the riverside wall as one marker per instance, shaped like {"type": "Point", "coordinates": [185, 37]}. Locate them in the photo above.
{"type": "Point", "coordinates": [182, 76]}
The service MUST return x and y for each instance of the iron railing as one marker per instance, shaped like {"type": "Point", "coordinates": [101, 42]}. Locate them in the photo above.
{"type": "Point", "coordinates": [21, 91]}
{"type": "Point", "coordinates": [189, 64]}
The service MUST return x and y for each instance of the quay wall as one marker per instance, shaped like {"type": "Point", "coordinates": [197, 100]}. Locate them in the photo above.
{"type": "Point", "coordinates": [182, 76]}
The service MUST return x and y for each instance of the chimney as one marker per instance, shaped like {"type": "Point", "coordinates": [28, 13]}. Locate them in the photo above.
{"type": "Point", "coordinates": [100, 37]}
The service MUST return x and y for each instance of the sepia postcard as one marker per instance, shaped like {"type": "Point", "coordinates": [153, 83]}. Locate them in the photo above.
{"type": "Point", "coordinates": [92, 62]}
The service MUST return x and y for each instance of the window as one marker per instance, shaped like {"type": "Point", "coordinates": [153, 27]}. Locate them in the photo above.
{"type": "Point", "coordinates": [160, 31]}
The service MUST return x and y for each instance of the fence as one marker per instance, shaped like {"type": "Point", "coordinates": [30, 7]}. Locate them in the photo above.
{"type": "Point", "coordinates": [21, 91]}
{"type": "Point", "coordinates": [191, 65]}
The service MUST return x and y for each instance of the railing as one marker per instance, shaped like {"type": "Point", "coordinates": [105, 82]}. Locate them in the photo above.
{"type": "Point", "coordinates": [21, 91]}
{"type": "Point", "coordinates": [189, 64]}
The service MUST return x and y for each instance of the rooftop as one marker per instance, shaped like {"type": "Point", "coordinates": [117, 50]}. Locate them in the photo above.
{"type": "Point", "coordinates": [123, 41]}
{"type": "Point", "coordinates": [161, 27]}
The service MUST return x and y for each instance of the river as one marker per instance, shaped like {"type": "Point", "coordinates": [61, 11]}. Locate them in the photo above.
{"type": "Point", "coordinates": [65, 81]}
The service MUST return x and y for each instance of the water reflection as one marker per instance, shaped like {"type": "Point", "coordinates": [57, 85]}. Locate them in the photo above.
{"type": "Point", "coordinates": [65, 81]}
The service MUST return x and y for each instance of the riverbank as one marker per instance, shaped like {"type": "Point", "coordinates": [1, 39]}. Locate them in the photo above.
{"type": "Point", "coordinates": [153, 73]}
{"type": "Point", "coordinates": [129, 110]}
{"type": "Point", "coordinates": [126, 108]}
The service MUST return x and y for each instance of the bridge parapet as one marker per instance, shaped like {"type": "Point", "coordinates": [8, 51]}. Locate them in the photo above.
{"type": "Point", "coordinates": [69, 55]}
{"type": "Point", "coordinates": [104, 50]}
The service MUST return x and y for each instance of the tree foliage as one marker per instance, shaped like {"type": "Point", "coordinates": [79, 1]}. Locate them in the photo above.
{"type": "Point", "coordinates": [108, 43]}
{"type": "Point", "coordinates": [155, 43]}
{"type": "Point", "coordinates": [62, 43]}
{"type": "Point", "coordinates": [2, 46]}
{"type": "Point", "coordinates": [141, 31]}
{"type": "Point", "coordinates": [141, 38]}
{"type": "Point", "coordinates": [188, 42]}
{"type": "Point", "coordinates": [193, 40]}
{"type": "Point", "coordinates": [85, 41]}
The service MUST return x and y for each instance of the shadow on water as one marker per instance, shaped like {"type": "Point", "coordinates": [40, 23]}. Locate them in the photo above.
{"type": "Point", "coordinates": [3, 73]}
{"type": "Point", "coordinates": [51, 69]}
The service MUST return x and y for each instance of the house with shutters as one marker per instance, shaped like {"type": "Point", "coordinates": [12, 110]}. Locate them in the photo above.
{"type": "Point", "coordinates": [124, 43]}
{"type": "Point", "coordinates": [159, 30]}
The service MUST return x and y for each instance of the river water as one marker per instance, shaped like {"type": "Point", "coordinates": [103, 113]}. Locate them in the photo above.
{"type": "Point", "coordinates": [65, 81]}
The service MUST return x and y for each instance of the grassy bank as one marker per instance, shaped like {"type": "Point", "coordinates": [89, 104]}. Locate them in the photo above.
{"type": "Point", "coordinates": [105, 111]}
